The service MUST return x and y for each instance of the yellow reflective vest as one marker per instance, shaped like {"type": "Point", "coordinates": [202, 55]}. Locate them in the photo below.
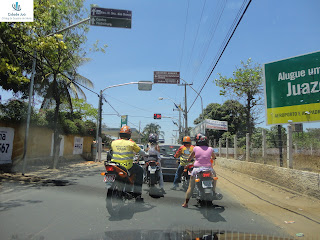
{"type": "Point", "coordinates": [123, 152]}
{"type": "Point", "coordinates": [184, 154]}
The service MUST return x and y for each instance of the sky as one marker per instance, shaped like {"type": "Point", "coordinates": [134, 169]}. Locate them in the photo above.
{"type": "Point", "coordinates": [185, 36]}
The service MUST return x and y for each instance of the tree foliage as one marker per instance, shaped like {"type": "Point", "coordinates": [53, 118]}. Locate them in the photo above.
{"type": "Point", "coordinates": [246, 86]}
{"type": "Point", "coordinates": [231, 111]}
{"type": "Point", "coordinates": [151, 128]}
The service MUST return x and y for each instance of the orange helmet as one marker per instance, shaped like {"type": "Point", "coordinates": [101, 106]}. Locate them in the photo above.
{"type": "Point", "coordinates": [186, 140]}
{"type": "Point", "coordinates": [125, 129]}
{"type": "Point", "coordinates": [125, 132]}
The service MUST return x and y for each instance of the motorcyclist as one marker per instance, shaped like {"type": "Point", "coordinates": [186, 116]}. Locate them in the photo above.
{"type": "Point", "coordinates": [123, 152]}
{"type": "Point", "coordinates": [203, 161]}
{"type": "Point", "coordinates": [183, 153]}
{"type": "Point", "coordinates": [154, 154]}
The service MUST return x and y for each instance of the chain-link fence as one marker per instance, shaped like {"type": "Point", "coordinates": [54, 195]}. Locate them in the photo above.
{"type": "Point", "coordinates": [273, 150]}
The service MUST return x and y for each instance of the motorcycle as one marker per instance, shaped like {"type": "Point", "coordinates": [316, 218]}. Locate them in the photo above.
{"type": "Point", "coordinates": [119, 184]}
{"type": "Point", "coordinates": [205, 185]}
{"type": "Point", "coordinates": [152, 177]}
{"type": "Point", "coordinates": [185, 177]}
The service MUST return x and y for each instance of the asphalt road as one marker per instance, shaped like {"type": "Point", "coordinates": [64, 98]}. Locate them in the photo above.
{"type": "Point", "coordinates": [77, 210]}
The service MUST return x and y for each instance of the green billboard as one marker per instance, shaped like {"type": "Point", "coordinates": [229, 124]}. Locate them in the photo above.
{"type": "Point", "coordinates": [292, 89]}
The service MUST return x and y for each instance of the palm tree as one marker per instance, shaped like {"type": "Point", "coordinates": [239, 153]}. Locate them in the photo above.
{"type": "Point", "coordinates": [59, 88]}
{"type": "Point", "coordinates": [152, 128]}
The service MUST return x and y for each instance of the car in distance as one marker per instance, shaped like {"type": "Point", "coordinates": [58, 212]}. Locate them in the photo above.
{"type": "Point", "coordinates": [169, 164]}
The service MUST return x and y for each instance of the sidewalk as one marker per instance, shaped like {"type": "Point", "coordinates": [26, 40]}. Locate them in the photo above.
{"type": "Point", "coordinates": [41, 173]}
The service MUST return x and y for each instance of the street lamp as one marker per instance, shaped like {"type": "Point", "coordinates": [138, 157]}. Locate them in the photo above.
{"type": "Point", "coordinates": [142, 86]}
{"type": "Point", "coordinates": [179, 109]}
{"type": "Point", "coordinates": [198, 95]}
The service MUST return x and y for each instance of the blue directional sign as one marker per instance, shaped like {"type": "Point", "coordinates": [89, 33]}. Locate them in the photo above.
{"type": "Point", "coordinates": [110, 17]}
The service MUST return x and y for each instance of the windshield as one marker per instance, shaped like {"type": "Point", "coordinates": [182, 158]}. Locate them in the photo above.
{"type": "Point", "coordinates": [168, 149]}
{"type": "Point", "coordinates": [86, 84]}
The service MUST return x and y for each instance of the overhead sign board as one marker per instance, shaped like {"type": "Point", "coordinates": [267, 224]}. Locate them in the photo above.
{"type": "Point", "coordinates": [292, 89]}
{"type": "Point", "coordinates": [166, 77]}
{"type": "Point", "coordinates": [110, 17]}
{"type": "Point", "coordinates": [216, 125]}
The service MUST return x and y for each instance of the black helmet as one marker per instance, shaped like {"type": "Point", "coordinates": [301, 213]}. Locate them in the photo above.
{"type": "Point", "coordinates": [153, 138]}
{"type": "Point", "coordinates": [201, 140]}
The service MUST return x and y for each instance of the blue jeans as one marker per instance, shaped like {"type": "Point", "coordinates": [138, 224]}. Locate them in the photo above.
{"type": "Point", "coordinates": [177, 176]}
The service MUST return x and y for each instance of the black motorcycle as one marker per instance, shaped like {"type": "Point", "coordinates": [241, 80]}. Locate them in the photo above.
{"type": "Point", "coordinates": [152, 174]}
{"type": "Point", "coordinates": [205, 185]}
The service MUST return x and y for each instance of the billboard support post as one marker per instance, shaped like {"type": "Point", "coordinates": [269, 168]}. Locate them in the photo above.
{"type": "Point", "coordinates": [289, 147]}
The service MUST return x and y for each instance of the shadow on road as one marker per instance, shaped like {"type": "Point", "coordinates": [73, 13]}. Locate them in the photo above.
{"type": "Point", "coordinates": [16, 203]}
{"type": "Point", "coordinates": [130, 209]}
{"type": "Point", "coordinates": [211, 212]}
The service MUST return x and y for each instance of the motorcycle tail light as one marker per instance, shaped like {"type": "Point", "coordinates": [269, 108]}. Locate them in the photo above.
{"type": "Point", "coordinates": [122, 174]}
{"type": "Point", "coordinates": [103, 173]}
{"type": "Point", "coordinates": [185, 170]}
{"type": "Point", "coordinates": [197, 180]}
{"type": "Point", "coordinates": [206, 174]}
{"type": "Point", "coordinates": [109, 168]}
{"type": "Point", "coordinates": [215, 178]}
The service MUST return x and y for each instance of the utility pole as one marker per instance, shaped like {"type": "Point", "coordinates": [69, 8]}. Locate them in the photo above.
{"type": "Point", "coordinates": [180, 129]}
{"type": "Point", "coordinates": [186, 130]}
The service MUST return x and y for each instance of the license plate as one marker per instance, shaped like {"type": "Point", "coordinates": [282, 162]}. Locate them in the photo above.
{"type": "Point", "coordinates": [109, 178]}
{"type": "Point", "coordinates": [152, 170]}
{"type": "Point", "coordinates": [142, 162]}
{"type": "Point", "coordinates": [206, 184]}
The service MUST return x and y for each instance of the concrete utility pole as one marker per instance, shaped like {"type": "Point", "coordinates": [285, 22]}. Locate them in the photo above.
{"type": "Point", "coordinates": [186, 130]}
{"type": "Point", "coordinates": [227, 148]}
{"type": "Point", "coordinates": [235, 146]}
{"type": "Point", "coordinates": [247, 147]}
{"type": "Point", "coordinates": [289, 147]}
{"type": "Point", "coordinates": [264, 145]}
{"type": "Point", "coordinates": [219, 147]}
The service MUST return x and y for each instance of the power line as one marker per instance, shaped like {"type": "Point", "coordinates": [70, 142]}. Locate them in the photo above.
{"type": "Point", "coordinates": [184, 36]}
{"type": "Point", "coordinates": [224, 48]}
{"type": "Point", "coordinates": [206, 46]}
{"type": "Point", "coordinates": [195, 39]}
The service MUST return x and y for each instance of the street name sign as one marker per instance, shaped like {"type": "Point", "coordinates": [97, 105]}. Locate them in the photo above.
{"type": "Point", "coordinates": [110, 17]}
{"type": "Point", "coordinates": [166, 77]}
{"type": "Point", "coordinates": [292, 89]}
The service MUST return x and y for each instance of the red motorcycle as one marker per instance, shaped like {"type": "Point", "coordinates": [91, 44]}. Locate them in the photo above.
{"type": "Point", "coordinates": [119, 184]}
{"type": "Point", "coordinates": [185, 177]}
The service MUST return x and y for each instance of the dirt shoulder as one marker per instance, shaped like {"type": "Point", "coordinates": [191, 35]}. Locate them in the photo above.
{"type": "Point", "coordinates": [277, 204]}
{"type": "Point", "coordinates": [41, 174]}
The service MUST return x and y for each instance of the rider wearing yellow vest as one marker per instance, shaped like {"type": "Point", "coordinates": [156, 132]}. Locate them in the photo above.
{"type": "Point", "coordinates": [183, 152]}
{"type": "Point", "coordinates": [123, 151]}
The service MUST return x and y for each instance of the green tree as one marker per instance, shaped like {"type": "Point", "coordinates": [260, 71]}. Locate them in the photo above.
{"type": "Point", "coordinates": [245, 85]}
{"type": "Point", "coordinates": [231, 111]}
{"type": "Point", "coordinates": [151, 128]}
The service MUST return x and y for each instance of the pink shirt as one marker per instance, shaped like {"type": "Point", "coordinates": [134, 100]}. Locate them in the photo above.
{"type": "Point", "coordinates": [202, 156]}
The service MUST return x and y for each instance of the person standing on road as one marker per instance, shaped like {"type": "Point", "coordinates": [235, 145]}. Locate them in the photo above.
{"type": "Point", "coordinates": [154, 154]}
{"type": "Point", "coordinates": [204, 156]}
{"type": "Point", "coordinates": [123, 152]}
{"type": "Point", "coordinates": [183, 152]}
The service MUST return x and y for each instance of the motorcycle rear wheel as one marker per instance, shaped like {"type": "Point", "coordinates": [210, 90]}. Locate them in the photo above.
{"type": "Point", "coordinates": [114, 200]}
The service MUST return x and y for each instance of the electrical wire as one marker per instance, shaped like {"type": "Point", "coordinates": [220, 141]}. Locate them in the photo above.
{"type": "Point", "coordinates": [204, 52]}
{"type": "Point", "coordinates": [195, 39]}
{"type": "Point", "coordinates": [184, 36]}
{"type": "Point", "coordinates": [220, 55]}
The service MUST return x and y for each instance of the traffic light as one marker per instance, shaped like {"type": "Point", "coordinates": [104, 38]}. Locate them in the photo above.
{"type": "Point", "coordinates": [157, 116]}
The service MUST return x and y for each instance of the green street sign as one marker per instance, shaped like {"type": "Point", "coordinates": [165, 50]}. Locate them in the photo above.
{"type": "Point", "coordinates": [292, 89]}
{"type": "Point", "coordinates": [110, 17]}
{"type": "Point", "coordinates": [124, 120]}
